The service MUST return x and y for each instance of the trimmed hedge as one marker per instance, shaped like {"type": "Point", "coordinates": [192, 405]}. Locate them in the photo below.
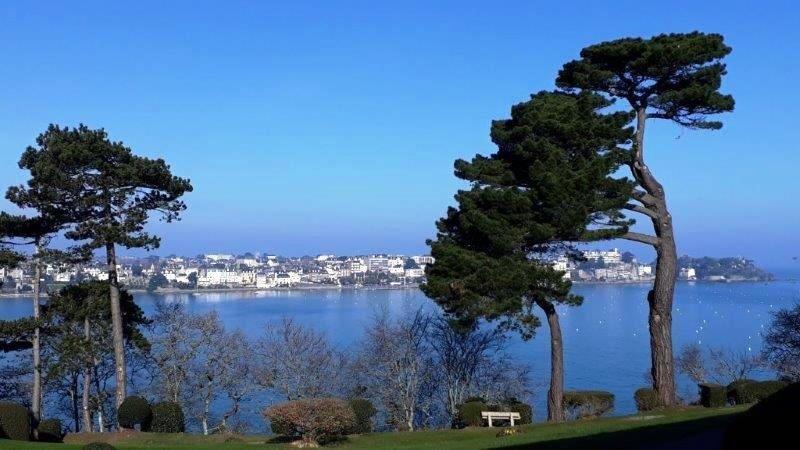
{"type": "Point", "coordinates": [646, 399]}
{"type": "Point", "coordinates": [99, 446]}
{"type": "Point", "coordinates": [469, 413]}
{"type": "Point", "coordinates": [769, 424]}
{"type": "Point", "coordinates": [15, 422]}
{"type": "Point", "coordinates": [167, 418]}
{"type": "Point", "coordinates": [135, 411]}
{"type": "Point", "coordinates": [750, 391]}
{"type": "Point", "coordinates": [712, 395]}
{"type": "Point", "coordinates": [525, 410]}
{"type": "Point", "coordinates": [50, 430]}
{"type": "Point", "coordinates": [364, 411]}
{"type": "Point", "coordinates": [587, 404]}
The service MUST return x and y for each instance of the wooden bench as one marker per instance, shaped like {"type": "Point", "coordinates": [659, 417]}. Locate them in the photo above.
{"type": "Point", "coordinates": [503, 415]}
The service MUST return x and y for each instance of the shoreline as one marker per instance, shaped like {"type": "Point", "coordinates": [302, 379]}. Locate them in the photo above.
{"type": "Point", "coordinates": [375, 288]}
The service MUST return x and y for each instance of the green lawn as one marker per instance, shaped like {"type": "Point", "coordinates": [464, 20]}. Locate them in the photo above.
{"type": "Point", "coordinates": [617, 433]}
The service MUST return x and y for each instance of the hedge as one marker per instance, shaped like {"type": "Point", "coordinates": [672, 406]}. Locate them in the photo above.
{"type": "Point", "coordinates": [15, 422]}
{"type": "Point", "coordinates": [769, 424]}
{"type": "Point", "coordinates": [135, 411]}
{"type": "Point", "coordinates": [50, 430]}
{"type": "Point", "coordinates": [749, 391]}
{"type": "Point", "coordinates": [167, 418]}
{"type": "Point", "coordinates": [525, 410]}
{"type": "Point", "coordinates": [712, 395]}
{"type": "Point", "coordinates": [364, 410]}
{"type": "Point", "coordinates": [587, 404]}
{"type": "Point", "coordinates": [469, 413]}
{"type": "Point", "coordinates": [646, 399]}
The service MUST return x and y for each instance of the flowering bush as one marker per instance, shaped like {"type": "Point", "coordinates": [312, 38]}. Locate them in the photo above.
{"type": "Point", "coordinates": [316, 420]}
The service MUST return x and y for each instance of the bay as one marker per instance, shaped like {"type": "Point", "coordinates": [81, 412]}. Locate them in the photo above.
{"type": "Point", "coordinates": [606, 343]}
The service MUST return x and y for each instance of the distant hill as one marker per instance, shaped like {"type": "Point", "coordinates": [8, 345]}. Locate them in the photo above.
{"type": "Point", "coordinates": [733, 268]}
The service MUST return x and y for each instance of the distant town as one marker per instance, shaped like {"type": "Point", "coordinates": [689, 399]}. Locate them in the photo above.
{"type": "Point", "coordinates": [217, 271]}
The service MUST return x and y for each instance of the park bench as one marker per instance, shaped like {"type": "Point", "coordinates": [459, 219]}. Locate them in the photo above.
{"type": "Point", "coordinates": [503, 415]}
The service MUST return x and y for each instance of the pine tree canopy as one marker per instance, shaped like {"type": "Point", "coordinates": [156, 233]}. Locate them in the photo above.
{"type": "Point", "coordinates": [548, 185]}
{"type": "Point", "coordinates": [673, 76]}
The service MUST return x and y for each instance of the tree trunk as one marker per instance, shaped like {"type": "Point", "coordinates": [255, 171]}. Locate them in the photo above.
{"type": "Point", "coordinates": [116, 323]}
{"type": "Point", "coordinates": [661, 296]}
{"type": "Point", "coordinates": [36, 391]}
{"type": "Point", "coordinates": [87, 381]}
{"type": "Point", "coordinates": [73, 396]}
{"type": "Point", "coordinates": [555, 395]}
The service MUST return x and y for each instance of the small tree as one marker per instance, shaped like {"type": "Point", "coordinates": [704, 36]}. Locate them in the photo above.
{"type": "Point", "coordinates": [316, 420]}
{"type": "Point", "coordinates": [675, 77]}
{"type": "Point", "coordinates": [782, 343]}
{"type": "Point", "coordinates": [111, 193]}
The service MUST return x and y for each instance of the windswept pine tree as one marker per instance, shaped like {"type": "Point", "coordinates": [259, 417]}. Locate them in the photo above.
{"type": "Point", "coordinates": [542, 190]}
{"type": "Point", "coordinates": [111, 193]}
{"type": "Point", "coordinates": [674, 77]}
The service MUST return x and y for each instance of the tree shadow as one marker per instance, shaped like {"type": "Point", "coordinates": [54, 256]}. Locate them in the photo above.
{"type": "Point", "coordinates": [652, 436]}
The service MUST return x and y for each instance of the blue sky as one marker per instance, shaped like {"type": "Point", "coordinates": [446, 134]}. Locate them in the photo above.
{"type": "Point", "coordinates": [311, 127]}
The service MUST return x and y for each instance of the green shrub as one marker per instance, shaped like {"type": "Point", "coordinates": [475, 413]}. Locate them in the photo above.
{"type": "Point", "coordinates": [50, 430]}
{"type": "Point", "coordinates": [469, 414]}
{"type": "Point", "coordinates": [134, 411]}
{"type": "Point", "coordinates": [15, 422]}
{"type": "Point", "coordinates": [99, 446]}
{"type": "Point", "coordinates": [712, 395]}
{"type": "Point", "coordinates": [769, 424]}
{"type": "Point", "coordinates": [754, 391]}
{"type": "Point", "coordinates": [732, 390]}
{"type": "Point", "coordinates": [646, 399]}
{"type": "Point", "coordinates": [167, 418]}
{"type": "Point", "coordinates": [364, 411]}
{"type": "Point", "coordinates": [587, 404]}
{"type": "Point", "coordinates": [525, 410]}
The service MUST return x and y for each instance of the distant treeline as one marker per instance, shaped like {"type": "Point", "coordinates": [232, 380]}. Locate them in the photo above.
{"type": "Point", "coordinates": [730, 268]}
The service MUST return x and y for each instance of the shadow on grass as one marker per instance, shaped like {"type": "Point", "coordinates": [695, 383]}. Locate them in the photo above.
{"type": "Point", "coordinates": [652, 436]}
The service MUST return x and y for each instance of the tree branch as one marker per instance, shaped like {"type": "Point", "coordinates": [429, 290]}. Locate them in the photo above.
{"type": "Point", "coordinates": [643, 238]}
{"type": "Point", "coordinates": [641, 210]}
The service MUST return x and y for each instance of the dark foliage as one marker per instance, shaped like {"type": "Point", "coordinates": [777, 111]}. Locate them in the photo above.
{"type": "Point", "coordinates": [168, 417]}
{"type": "Point", "coordinates": [587, 404]}
{"type": "Point", "coordinates": [364, 411]}
{"type": "Point", "coordinates": [712, 395]}
{"type": "Point", "coordinates": [769, 424]}
{"type": "Point", "coordinates": [134, 411]}
{"type": "Point", "coordinates": [646, 399]}
{"type": "Point", "coordinates": [15, 422]}
{"type": "Point", "coordinates": [782, 343]}
{"type": "Point", "coordinates": [525, 410]}
{"type": "Point", "coordinates": [50, 430]}
{"type": "Point", "coordinates": [469, 413]}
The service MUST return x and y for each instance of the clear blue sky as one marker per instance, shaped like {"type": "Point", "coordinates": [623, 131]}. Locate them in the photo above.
{"type": "Point", "coordinates": [311, 127]}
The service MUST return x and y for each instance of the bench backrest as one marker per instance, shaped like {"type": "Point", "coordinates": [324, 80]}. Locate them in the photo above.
{"type": "Point", "coordinates": [499, 414]}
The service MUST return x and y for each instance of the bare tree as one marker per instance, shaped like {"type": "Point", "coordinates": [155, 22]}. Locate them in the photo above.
{"type": "Point", "coordinates": [717, 365]}
{"type": "Point", "coordinates": [690, 363]}
{"type": "Point", "coordinates": [782, 343]}
{"type": "Point", "coordinates": [396, 366]}
{"type": "Point", "coordinates": [296, 361]}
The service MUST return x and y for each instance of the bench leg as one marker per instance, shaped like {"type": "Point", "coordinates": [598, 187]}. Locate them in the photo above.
{"type": "Point", "coordinates": [490, 421]}
{"type": "Point", "coordinates": [512, 421]}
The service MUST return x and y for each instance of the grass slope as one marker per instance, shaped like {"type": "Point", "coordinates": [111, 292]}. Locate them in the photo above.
{"type": "Point", "coordinates": [619, 433]}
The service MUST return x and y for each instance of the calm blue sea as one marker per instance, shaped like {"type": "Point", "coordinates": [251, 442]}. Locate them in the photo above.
{"type": "Point", "coordinates": [606, 339]}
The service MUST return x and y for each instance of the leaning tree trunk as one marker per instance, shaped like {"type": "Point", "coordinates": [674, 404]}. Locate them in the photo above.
{"type": "Point", "coordinates": [116, 323]}
{"type": "Point", "coordinates": [36, 391]}
{"type": "Point", "coordinates": [555, 395]}
{"type": "Point", "coordinates": [661, 296]}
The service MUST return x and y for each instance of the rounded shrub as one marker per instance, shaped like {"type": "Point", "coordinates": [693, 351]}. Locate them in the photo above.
{"type": "Point", "coordinates": [99, 446]}
{"type": "Point", "coordinates": [50, 430]}
{"type": "Point", "coordinates": [525, 410]}
{"type": "Point", "coordinates": [15, 422]}
{"type": "Point", "coordinates": [364, 410]}
{"type": "Point", "coordinates": [712, 395]}
{"type": "Point", "coordinates": [469, 413]}
{"type": "Point", "coordinates": [314, 420]}
{"type": "Point", "coordinates": [733, 390]}
{"type": "Point", "coordinates": [167, 418]}
{"type": "Point", "coordinates": [769, 424]}
{"type": "Point", "coordinates": [587, 404]}
{"type": "Point", "coordinates": [135, 411]}
{"type": "Point", "coordinates": [646, 399]}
